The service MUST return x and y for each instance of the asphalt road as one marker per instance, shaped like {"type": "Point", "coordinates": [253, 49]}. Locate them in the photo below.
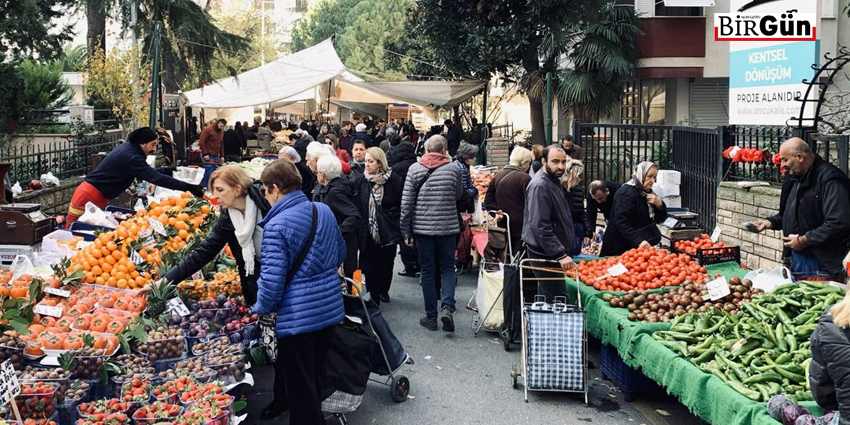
{"type": "Point", "coordinates": [461, 379]}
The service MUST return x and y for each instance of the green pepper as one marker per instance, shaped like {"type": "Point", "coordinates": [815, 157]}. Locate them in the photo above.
{"type": "Point", "coordinates": [803, 396]}
{"type": "Point", "coordinates": [679, 336]}
{"type": "Point", "coordinates": [774, 388]}
{"type": "Point", "coordinates": [765, 311]}
{"type": "Point", "coordinates": [805, 331]}
{"type": "Point", "coordinates": [793, 302]}
{"type": "Point", "coordinates": [764, 377]}
{"type": "Point", "coordinates": [792, 342]}
{"type": "Point", "coordinates": [814, 284]}
{"type": "Point", "coordinates": [827, 290]}
{"type": "Point", "coordinates": [752, 354]}
{"type": "Point", "coordinates": [783, 358]}
{"type": "Point", "coordinates": [763, 390]}
{"type": "Point", "coordinates": [714, 369]}
{"type": "Point", "coordinates": [793, 377]}
{"type": "Point", "coordinates": [679, 347]}
{"type": "Point", "coordinates": [803, 317]}
{"type": "Point", "coordinates": [741, 388]}
{"type": "Point", "coordinates": [704, 357]}
{"type": "Point", "coordinates": [752, 311]}
{"type": "Point", "coordinates": [681, 327]}
{"type": "Point", "coordinates": [761, 369]}
{"type": "Point", "coordinates": [714, 328]}
{"type": "Point", "coordinates": [783, 317]}
{"type": "Point", "coordinates": [706, 343]}
{"type": "Point", "coordinates": [743, 349]}
{"type": "Point", "coordinates": [771, 336]}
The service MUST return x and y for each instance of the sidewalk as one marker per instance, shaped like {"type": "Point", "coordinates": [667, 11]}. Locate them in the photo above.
{"type": "Point", "coordinates": [459, 379]}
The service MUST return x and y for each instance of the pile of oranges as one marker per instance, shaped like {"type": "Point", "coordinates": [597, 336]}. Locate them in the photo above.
{"type": "Point", "coordinates": [648, 268]}
{"type": "Point", "coordinates": [107, 260]}
{"type": "Point", "coordinates": [18, 288]}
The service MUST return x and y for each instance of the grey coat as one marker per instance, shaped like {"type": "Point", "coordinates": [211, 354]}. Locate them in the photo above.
{"type": "Point", "coordinates": [432, 211]}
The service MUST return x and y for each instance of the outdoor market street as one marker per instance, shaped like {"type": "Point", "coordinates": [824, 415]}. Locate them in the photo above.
{"type": "Point", "coordinates": [460, 379]}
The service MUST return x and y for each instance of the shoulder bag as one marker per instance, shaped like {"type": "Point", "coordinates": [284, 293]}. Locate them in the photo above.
{"type": "Point", "coordinates": [268, 321]}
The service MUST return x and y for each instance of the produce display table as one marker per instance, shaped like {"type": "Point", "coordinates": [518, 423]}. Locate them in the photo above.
{"type": "Point", "coordinates": [705, 395]}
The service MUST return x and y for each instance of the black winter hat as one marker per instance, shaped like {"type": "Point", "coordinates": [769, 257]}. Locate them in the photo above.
{"type": "Point", "coordinates": [142, 135]}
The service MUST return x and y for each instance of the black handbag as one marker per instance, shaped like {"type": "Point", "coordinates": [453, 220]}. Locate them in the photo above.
{"type": "Point", "coordinates": [389, 225]}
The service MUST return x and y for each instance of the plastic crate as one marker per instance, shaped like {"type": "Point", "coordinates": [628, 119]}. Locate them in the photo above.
{"type": "Point", "coordinates": [628, 379]}
{"type": "Point", "coordinates": [86, 231]}
{"type": "Point", "coordinates": [709, 256]}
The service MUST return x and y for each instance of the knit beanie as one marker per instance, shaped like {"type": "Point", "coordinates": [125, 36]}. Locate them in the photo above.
{"type": "Point", "coordinates": [142, 135]}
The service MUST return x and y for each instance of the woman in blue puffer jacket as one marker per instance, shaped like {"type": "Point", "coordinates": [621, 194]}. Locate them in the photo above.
{"type": "Point", "coordinates": [310, 305]}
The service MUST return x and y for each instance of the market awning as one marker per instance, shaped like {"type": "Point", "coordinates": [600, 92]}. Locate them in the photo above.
{"type": "Point", "coordinates": [373, 109]}
{"type": "Point", "coordinates": [423, 93]}
{"type": "Point", "coordinates": [273, 82]}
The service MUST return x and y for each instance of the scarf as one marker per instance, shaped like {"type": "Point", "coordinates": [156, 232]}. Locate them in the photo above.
{"type": "Point", "coordinates": [247, 232]}
{"type": "Point", "coordinates": [377, 181]}
{"type": "Point", "coordinates": [637, 181]}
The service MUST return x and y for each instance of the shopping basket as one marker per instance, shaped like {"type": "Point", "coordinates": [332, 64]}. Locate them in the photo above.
{"type": "Point", "coordinates": [554, 339]}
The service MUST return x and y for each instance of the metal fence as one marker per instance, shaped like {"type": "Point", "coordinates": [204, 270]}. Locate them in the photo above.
{"type": "Point", "coordinates": [64, 158]}
{"type": "Point", "coordinates": [612, 151]}
{"type": "Point", "coordinates": [833, 148]}
{"type": "Point", "coordinates": [506, 131]}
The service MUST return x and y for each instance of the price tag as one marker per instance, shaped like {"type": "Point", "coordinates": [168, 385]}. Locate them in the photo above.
{"type": "Point", "coordinates": [146, 238]}
{"type": "Point", "coordinates": [670, 222]}
{"type": "Point", "coordinates": [718, 288]}
{"type": "Point", "coordinates": [9, 385]}
{"type": "Point", "coordinates": [135, 257]}
{"type": "Point", "coordinates": [58, 292]}
{"type": "Point", "coordinates": [176, 305]}
{"type": "Point", "coordinates": [715, 235]}
{"type": "Point", "coordinates": [46, 310]}
{"type": "Point", "coordinates": [157, 226]}
{"type": "Point", "coordinates": [198, 275]}
{"type": "Point", "coordinates": [618, 270]}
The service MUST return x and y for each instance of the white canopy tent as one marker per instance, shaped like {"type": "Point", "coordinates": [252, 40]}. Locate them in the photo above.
{"type": "Point", "coordinates": [295, 78]}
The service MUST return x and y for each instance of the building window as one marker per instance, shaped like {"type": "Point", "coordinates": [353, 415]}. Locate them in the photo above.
{"type": "Point", "coordinates": [661, 10]}
{"type": "Point", "coordinates": [644, 102]}
{"type": "Point", "coordinates": [301, 5]}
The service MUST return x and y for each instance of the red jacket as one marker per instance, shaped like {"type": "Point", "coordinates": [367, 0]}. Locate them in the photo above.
{"type": "Point", "coordinates": [344, 160]}
{"type": "Point", "coordinates": [212, 142]}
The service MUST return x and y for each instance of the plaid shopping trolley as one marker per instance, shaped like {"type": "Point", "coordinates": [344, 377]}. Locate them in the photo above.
{"type": "Point", "coordinates": [554, 336]}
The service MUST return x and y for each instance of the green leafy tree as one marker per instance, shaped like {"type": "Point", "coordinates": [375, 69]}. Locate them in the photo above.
{"type": "Point", "coordinates": [28, 29]}
{"type": "Point", "coordinates": [75, 58]}
{"type": "Point", "coordinates": [371, 38]}
{"type": "Point", "coordinates": [245, 20]}
{"type": "Point", "coordinates": [108, 82]}
{"type": "Point", "coordinates": [518, 39]}
{"type": "Point", "coordinates": [189, 43]}
{"type": "Point", "coordinates": [604, 58]}
{"type": "Point", "coordinates": [43, 86]}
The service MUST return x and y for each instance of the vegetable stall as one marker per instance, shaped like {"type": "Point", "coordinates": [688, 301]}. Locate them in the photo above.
{"type": "Point", "coordinates": [89, 348]}
{"type": "Point", "coordinates": [723, 356]}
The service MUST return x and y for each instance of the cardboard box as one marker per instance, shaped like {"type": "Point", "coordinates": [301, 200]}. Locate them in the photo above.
{"type": "Point", "coordinates": [664, 190]}
{"type": "Point", "coordinates": [668, 177]}
{"type": "Point", "coordinates": [672, 201]}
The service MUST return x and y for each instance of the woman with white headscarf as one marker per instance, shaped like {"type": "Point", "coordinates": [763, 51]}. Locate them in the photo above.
{"type": "Point", "coordinates": [635, 213]}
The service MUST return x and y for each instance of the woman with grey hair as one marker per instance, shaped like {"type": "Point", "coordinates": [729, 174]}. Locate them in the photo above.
{"type": "Point", "coordinates": [379, 201]}
{"type": "Point", "coordinates": [288, 152]}
{"type": "Point", "coordinates": [336, 193]}
{"type": "Point", "coordinates": [464, 158]}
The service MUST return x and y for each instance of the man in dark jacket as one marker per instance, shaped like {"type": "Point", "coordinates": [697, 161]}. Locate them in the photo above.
{"type": "Point", "coordinates": [232, 145]}
{"type": "Point", "coordinates": [573, 151]}
{"type": "Point", "coordinates": [507, 192]}
{"type": "Point", "coordinates": [429, 219]}
{"type": "Point", "coordinates": [813, 213]}
{"type": "Point", "coordinates": [336, 192]}
{"type": "Point", "coordinates": [400, 158]}
{"type": "Point", "coordinates": [829, 373]}
{"type": "Point", "coordinates": [547, 227]}
{"type": "Point", "coordinates": [600, 197]}
{"type": "Point", "coordinates": [453, 136]}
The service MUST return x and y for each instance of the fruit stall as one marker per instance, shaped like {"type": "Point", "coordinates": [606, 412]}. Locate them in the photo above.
{"type": "Point", "coordinates": [89, 347]}
{"type": "Point", "coordinates": [706, 334]}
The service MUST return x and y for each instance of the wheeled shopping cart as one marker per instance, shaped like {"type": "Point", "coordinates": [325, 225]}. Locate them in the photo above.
{"type": "Point", "coordinates": [491, 277]}
{"type": "Point", "coordinates": [554, 337]}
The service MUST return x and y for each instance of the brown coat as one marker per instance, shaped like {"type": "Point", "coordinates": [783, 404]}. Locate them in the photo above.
{"type": "Point", "coordinates": [507, 193]}
{"type": "Point", "coordinates": [212, 142]}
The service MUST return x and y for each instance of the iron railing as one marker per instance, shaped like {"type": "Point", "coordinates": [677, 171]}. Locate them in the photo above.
{"type": "Point", "coordinates": [612, 152]}
{"type": "Point", "coordinates": [64, 158]}
{"type": "Point", "coordinates": [506, 130]}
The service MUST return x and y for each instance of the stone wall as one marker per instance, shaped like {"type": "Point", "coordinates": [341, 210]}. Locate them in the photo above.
{"type": "Point", "coordinates": [735, 206]}
{"type": "Point", "coordinates": [53, 200]}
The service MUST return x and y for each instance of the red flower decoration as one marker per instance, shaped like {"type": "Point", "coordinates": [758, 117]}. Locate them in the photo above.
{"type": "Point", "coordinates": [777, 159]}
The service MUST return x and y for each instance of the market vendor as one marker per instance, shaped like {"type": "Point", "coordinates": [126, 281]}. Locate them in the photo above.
{"type": "Point", "coordinates": [635, 213]}
{"type": "Point", "coordinates": [242, 208]}
{"type": "Point", "coordinates": [118, 170]}
{"type": "Point", "coordinates": [813, 210]}
{"type": "Point", "coordinates": [600, 197]}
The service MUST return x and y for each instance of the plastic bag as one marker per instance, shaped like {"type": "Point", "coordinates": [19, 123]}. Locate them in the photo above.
{"type": "Point", "coordinates": [489, 294]}
{"type": "Point", "coordinates": [21, 265]}
{"type": "Point", "coordinates": [97, 217]}
{"type": "Point", "coordinates": [478, 213]}
{"type": "Point", "coordinates": [17, 190]}
{"type": "Point", "coordinates": [45, 260]}
{"type": "Point", "coordinates": [49, 180]}
{"type": "Point", "coordinates": [772, 279]}
{"type": "Point", "coordinates": [191, 175]}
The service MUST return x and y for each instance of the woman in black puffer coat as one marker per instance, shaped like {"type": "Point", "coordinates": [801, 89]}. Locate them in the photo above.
{"type": "Point", "coordinates": [829, 371]}
{"type": "Point", "coordinates": [242, 207]}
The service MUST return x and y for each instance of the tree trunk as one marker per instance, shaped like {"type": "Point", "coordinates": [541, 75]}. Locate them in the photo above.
{"type": "Point", "coordinates": [538, 127]}
{"type": "Point", "coordinates": [96, 29]}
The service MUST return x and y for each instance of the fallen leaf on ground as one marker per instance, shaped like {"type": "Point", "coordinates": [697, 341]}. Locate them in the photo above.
{"type": "Point", "coordinates": [662, 412]}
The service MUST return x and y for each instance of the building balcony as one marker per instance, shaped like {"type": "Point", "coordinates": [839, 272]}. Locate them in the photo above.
{"type": "Point", "coordinates": [672, 47]}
